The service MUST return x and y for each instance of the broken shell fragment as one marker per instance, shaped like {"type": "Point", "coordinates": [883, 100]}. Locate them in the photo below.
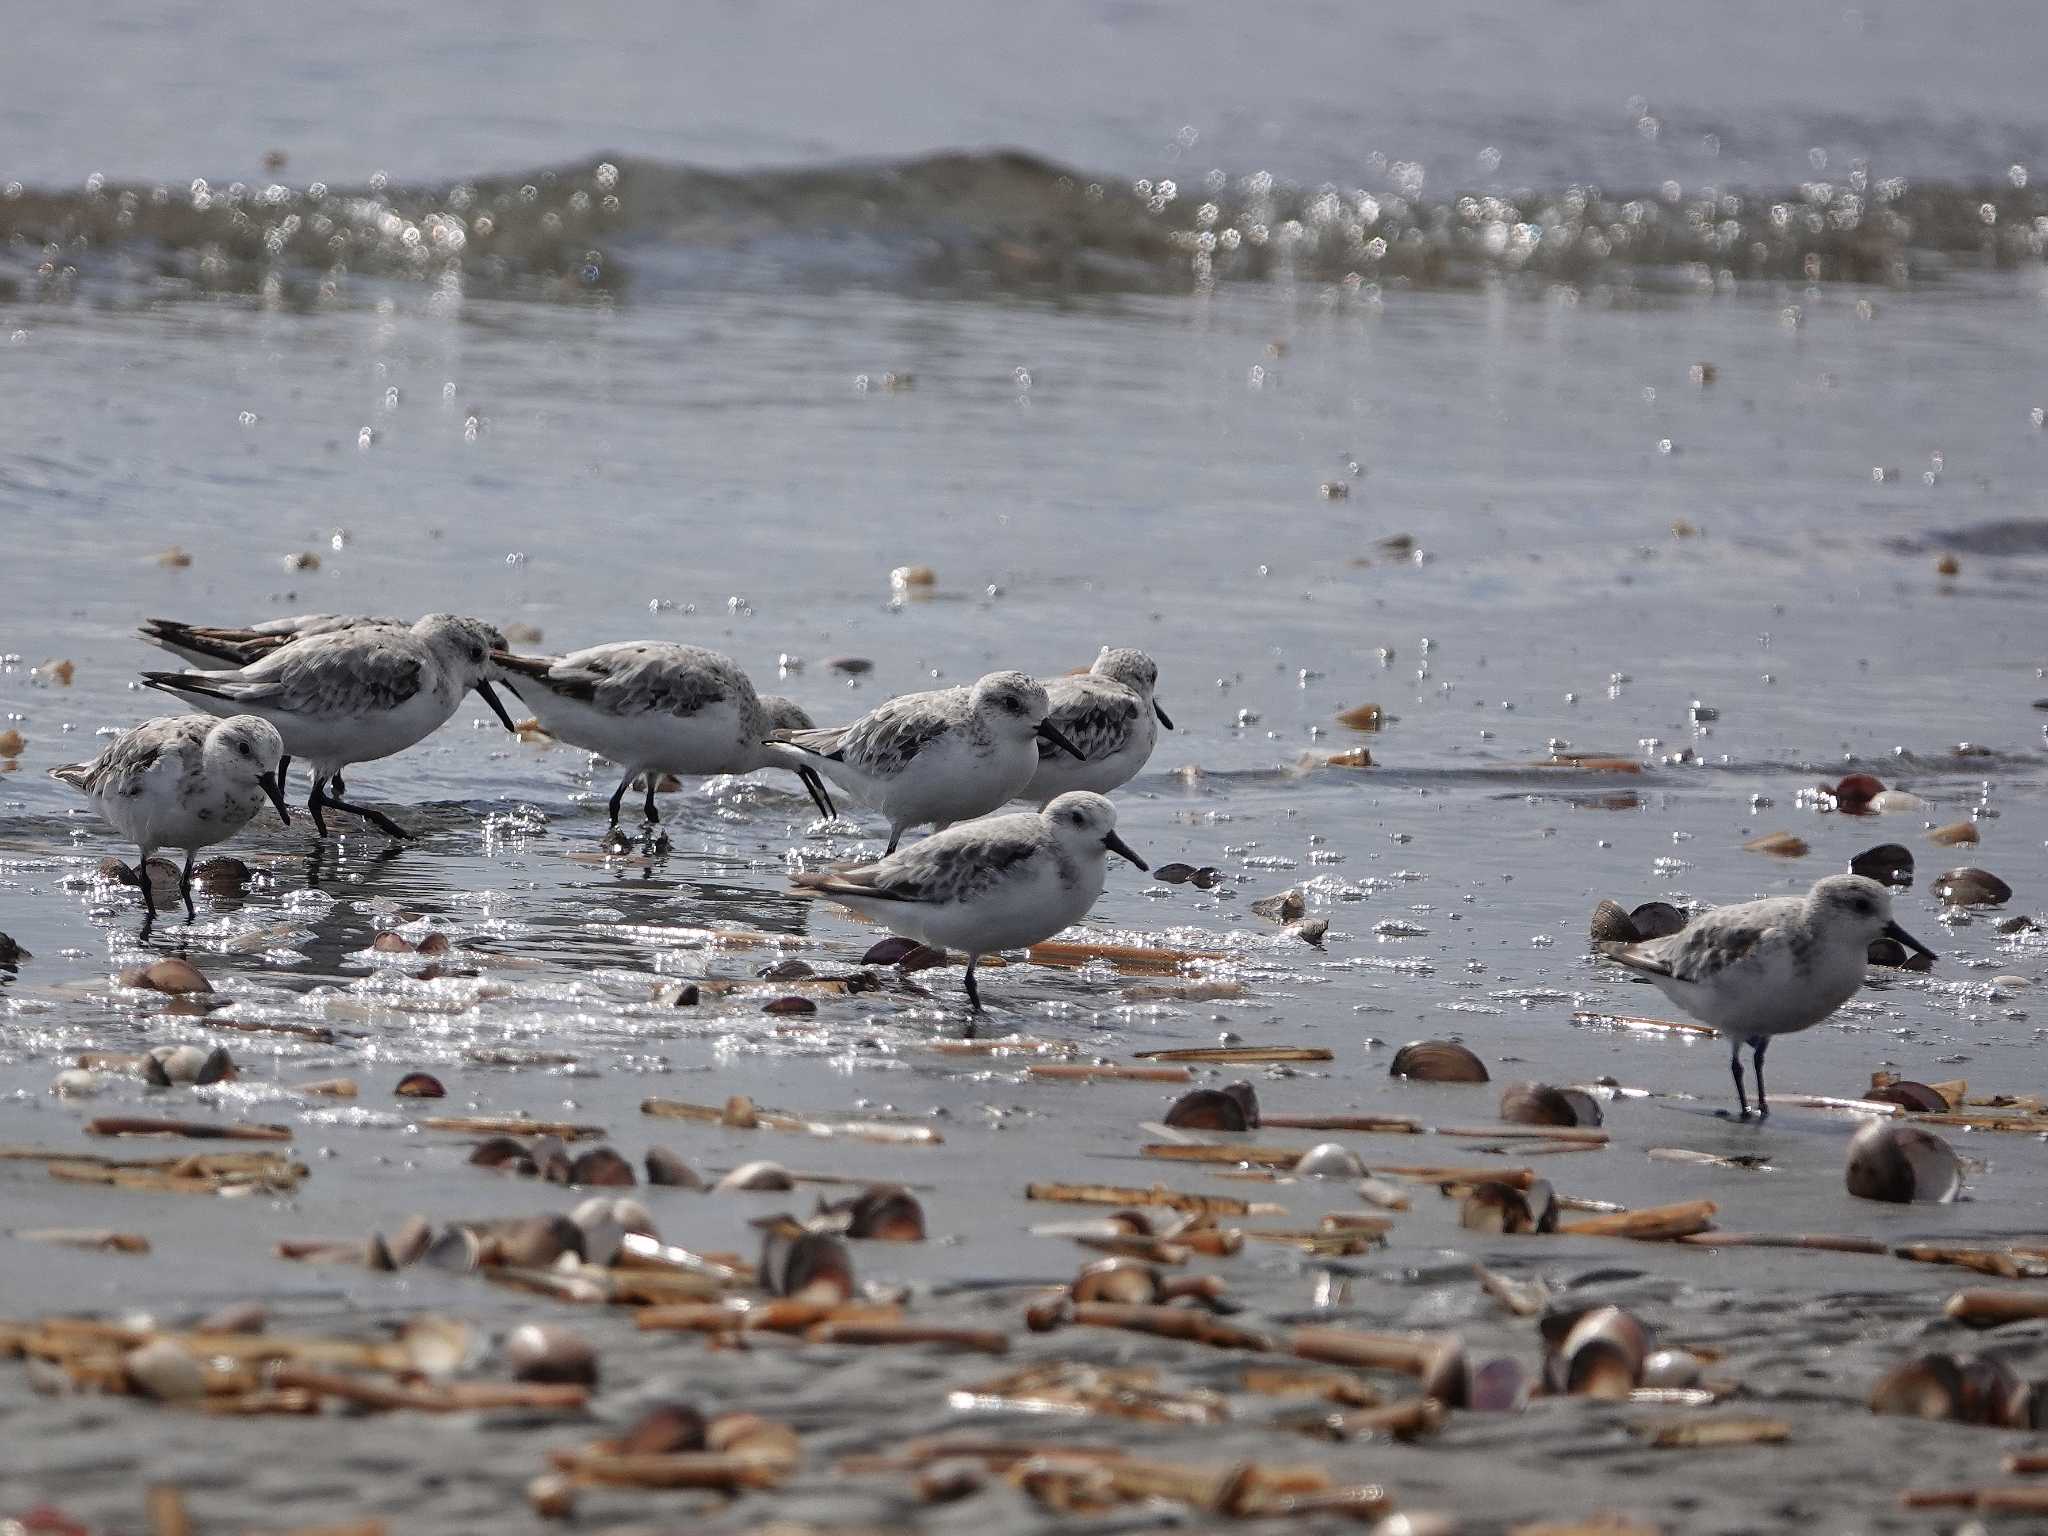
{"type": "Point", "coordinates": [1329, 1160]}
{"type": "Point", "coordinates": [1287, 907]}
{"type": "Point", "coordinates": [1902, 1164]}
{"type": "Point", "coordinates": [172, 976]}
{"type": "Point", "coordinates": [456, 1250]}
{"type": "Point", "coordinates": [533, 1243]}
{"type": "Point", "coordinates": [164, 1371]}
{"type": "Point", "coordinates": [1887, 864]}
{"type": "Point", "coordinates": [1439, 1061]}
{"type": "Point", "coordinates": [1540, 1104]}
{"type": "Point", "coordinates": [1938, 1386]}
{"type": "Point", "coordinates": [1917, 1097]}
{"type": "Point", "coordinates": [1602, 1354]}
{"type": "Point", "coordinates": [499, 1151]}
{"type": "Point", "coordinates": [1969, 887]}
{"type": "Point", "coordinates": [420, 1085]}
{"type": "Point", "coordinates": [663, 1430]}
{"type": "Point", "coordinates": [601, 1166]}
{"type": "Point", "coordinates": [544, 1353]}
{"type": "Point", "coordinates": [1173, 874]}
{"type": "Point", "coordinates": [1612, 925]}
{"type": "Point", "coordinates": [1782, 845]}
{"type": "Point", "coordinates": [664, 1167]}
{"type": "Point", "coordinates": [811, 1266]}
{"type": "Point", "coordinates": [751, 1177]}
{"type": "Point", "coordinates": [1216, 1109]}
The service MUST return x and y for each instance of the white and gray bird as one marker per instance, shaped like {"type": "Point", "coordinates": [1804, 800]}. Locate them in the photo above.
{"type": "Point", "coordinates": [940, 757]}
{"type": "Point", "coordinates": [1110, 716]}
{"type": "Point", "coordinates": [182, 781]}
{"type": "Point", "coordinates": [352, 696]}
{"type": "Point", "coordinates": [654, 707]}
{"type": "Point", "coordinates": [1003, 882]}
{"type": "Point", "coordinates": [1760, 969]}
{"type": "Point", "coordinates": [236, 645]}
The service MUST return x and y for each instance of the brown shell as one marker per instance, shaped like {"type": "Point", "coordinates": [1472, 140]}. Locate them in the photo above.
{"type": "Point", "coordinates": [663, 1429]}
{"type": "Point", "coordinates": [1612, 925]}
{"type": "Point", "coordinates": [420, 1085]}
{"type": "Point", "coordinates": [1602, 1355]}
{"type": "Point", "coordinates": [1902, 1164]}
{"type": "Point", "coordinates": [1209, 1109]}
{"type": "Point", "coordinates": [1657, 919]}
{"type": "Point", "coordinates": [1926, 1387]}
{"type": "Point", "coordinates": [1536, 1104]}
{"type": "Point", "coordinates": [1971, 887]}
{"type": "Point", "coordinates": [1887, 864]}
{"type": "Point", "coordinates": [1498, 1386]}
{"type": "Point", "coordinates": [1438, 1061]}
{"type": "Point", "coordinates": [543, 1353]}
{"type": "Point", "coordinates": [1174, 874]}
{"type": "Point", "coordinates": [1119, 1280]}
{"type": "Point", "coordinates": [535, 1242]}
{"type": "Point", "coordinates": [1917, 1097]}
{"type": "Point", "coordinates": [1854, 792]}
{"type": "Point", "coordinates": [789, 1006]}
{"type": "Point", "coordinates": [665, 1167]}
{"type": "Point", "coordinates": [886, 1213]}
{"type": "Point", "coordinates": [601, 1167]}
{"type": "Point", "coordinates": [811, 1265]}
{"type": "Point", "coordinates": [497, 1150]}
{"type": "Point", "coordinates": [1495, 1207]}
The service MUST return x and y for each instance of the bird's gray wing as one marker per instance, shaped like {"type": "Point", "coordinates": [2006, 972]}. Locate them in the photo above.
{"type": "Point", "coordinates": [881, 742]}
{"type": "Point", "coordinates": [119, 769]}
{"type": "Point", "coordinates": [957, 866]}
{"type": "Point", "coordinates": [1098, 720]}
{"type": "Point", "coordinates": [1701, 950]}
{"type": "Point", "coordinates": [336, 674]}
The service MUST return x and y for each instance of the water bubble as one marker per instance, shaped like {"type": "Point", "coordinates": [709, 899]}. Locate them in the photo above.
{"type": "Point", "coordinates": [516, 558]}
{"type": "Point", "coordinates": [366, 437]}
{"type": "Point", "coordinates": [448, 390]}
{"type": "Point", "coordinates": [248, 418]}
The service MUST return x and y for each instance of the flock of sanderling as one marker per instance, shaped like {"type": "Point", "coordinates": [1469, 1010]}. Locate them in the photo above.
{"type": "Point", "coordinates": [342, 690]}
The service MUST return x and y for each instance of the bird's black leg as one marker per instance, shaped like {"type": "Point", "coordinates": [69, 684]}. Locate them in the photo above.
{"type": "Point", "coordinates": [148, 897]}
{"type": "Point", "coordinates": [653, 815]}
{"type": "Point", "coordinates": [377, 819]}
{"type": "Point", "coordinates": [1735, 1066]}
{"type": "Point", "coordinates": [973, 992]}
{"type": "Point", "coordinates": [619, 796]}
{"type": "Point", "coordinates": [313, 804]}
{"type": "Point", "coordinates": [284, 773]}
{"type": "Point", "coordinates": [895, 837]}
{"type": "Point", "coordinates": [185, 885]}
{"type": "Point", "coordinates": [1757, 1043]}
{"type": "Point", "coordinates": [335, 789]}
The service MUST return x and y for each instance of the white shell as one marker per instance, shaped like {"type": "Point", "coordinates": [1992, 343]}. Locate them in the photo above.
{"type": "Point", "coordinates": [1329, 1160]}
{"type": "Point", "coordinates": [77, 1083]}
{"type": "Point", "coordinates": [754, 1176]}
{"type": "Point", "coordinates": [162, 1370]}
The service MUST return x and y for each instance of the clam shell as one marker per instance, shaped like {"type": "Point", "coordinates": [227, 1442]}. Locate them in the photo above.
{"type": "Point", "coordinates": [1956, 834]}
{"type": "Point", "coordinates": [1329, 1160]}
{"type": "Point", "coordinates": [1670, 1368]}
{"type": "Point", "coordinates": [1917, 1097]}
{"type": "Point", "coordinates": [811, 1265]}
{"type": "Point", "coordinates": [164, 1371]}
{"type": "Point", "coordinates": [601, 1167]}
{"type": "Point", "coordinates": [1972, 887]}
{"type": "Point", "coordinates": [1209, 1109]}
{"type": "Point", "coordinates": [885, 1213]}
{"type": "Point", "coordinates": [497, 1151]}
{"type": "Point", "coordinates": [1603, 1354]}
{"type": "Point", "coordinates": [435, 1345]}
{"type": "Point", "coordinates": [1854, 792]}
{"type": "Point", "coordinates": [1417, 1522]}
{"type": "Point", "coordinates": [1119, 1280]}
{"type": "Point", "coordinates": [1887, 864]}
{"type": "Point", "coordinates": [663, 1430]}
{"type": "Point", "coordinates": [1901, 1164]}
{"type": "Point", "coordinates": [536, 1242]}
{"type": "Point", "coordinates": [1537, 1104]}
{"type": "Point", "coordinates": [551, 1496]}
{"type": "Point", "coordinates": [1286, 907]}
{"type": "Point", "coordinates": [544, 1353]}
{"type": "Point", "coordinates": [1498, 1386]}
{"type": "Point", "coordinates": [455, 1250]}
{"type": "Point", "coordinates": [411, 1241]}
{"type": "Point", "coordinates": [1494, 1207]}
{"type": "Point", "coordinates": [664, 1167]}
{"type": "Point", "coordinates": [1926, 1387]}
{"type": "Point", "coordinates": [1657, 919]}
{"type": "Point", "coordinates": [1612, 925]}
{"type": "Point", "coordinates": [420, 1085]}
{"type": "Point", "coordinates": [1447, 1377]}
{"type": "Point", "coordinates": [1438, 1061]}
{"type": "Point", "coordinates": [1174, 874]}
{"type": "Point", "coordinates": [76, 1083]}
{"type": "Point", "coordinates": [173, 976]}
{"type": "Point", "coordinates": [758, 1175]}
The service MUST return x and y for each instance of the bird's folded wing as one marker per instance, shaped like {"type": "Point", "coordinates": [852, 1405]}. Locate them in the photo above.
{"type": "Point", "coordinates": [1097, 722]}
{"type": "Point", "coordinates": [880, 743]}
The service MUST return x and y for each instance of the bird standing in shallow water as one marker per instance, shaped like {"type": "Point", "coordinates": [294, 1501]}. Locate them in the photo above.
{"type": "Point", "coordinates": [1761, 969]}
{"type": "Point", "coordinates": [182, 781]}
{"type": "Point", "coordinates": [1003, 882]}
{"type": "Point", "coordinates": [945, 756]}
{"type": "Point", "coordinates": [1110, 716]}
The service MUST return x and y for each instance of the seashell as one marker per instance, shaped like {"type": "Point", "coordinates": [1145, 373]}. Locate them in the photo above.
{"type": "Point", "coordinates": [1602, 1355]}
{"type": "Point", "coordinates": [1992, 1394]}
{"type": "Point", "coordinates": [684, 996]}
{"type": "Point", "coordinates": [535, 1242]}
{"type": "Point", "coordinates": [1969, 887]}
{"type": "Point", "coordinates": [221, 874]}
{"type": "Point", "coordinates": [1447, 1376]}
{"type": "Point", "coordinates": [1498, 1386]}
{"type": "Point", "coordinates": [1502, 1208]}
{"type": "Point", "coordinates": [411, 1241]}
{"type": "Point", "coordinates": [1612, 925]}
{"type": "Point", "coordinates": [663, 1430]}
{"type": "Point", "coordinates": [1437, 1061]}
{"type": "Point", "coordinates": [1537, 1104]}
{"type": "Point", "coordinates": [907, 576]}
{"type": "Point", "coordinates": [1854, 793]}
{"type": "Point", "coordinates": [377, 1255]}
{"type": "Point", "coordinates": [789, 1005]}
{"type": "Point", "coordinates": [552, 1496]}
{"type": "Point", "coordinates": [76, 1083]}
{"type": "Point", "coordinates": [391, 944]}
{"type": "Point", "coordinates": [791, 969]}
{"type": "Point", "coordinates": [172, 976]}
{"type": "Point", "coordinates": [1311, 930]}
{"type": "Point", "coordinates": [1887, 864]}
{"type": "Point", "coordinates": [740, 1114]}
{"type": "Point", "coordinates": [755, 1176]}
{"type": "Point", "coordinates": [753, 1437]}
{"type": "Point", "coordinates": [664, 1167]}
{"type": "Point", "coordinates": [601, 1166]}
{"type": "Point", "coordinates": [1126, 1281]}
{"type": "Point", "coordinates": [238, 1317]}
{"type": "Point", "coordinates": [1670, 1368]}
{"type": "Point", "coordinates": [1174, 874]}
{"type": "Point", "coordinates": [113, 869]}
{"type": "Point", "coordinates": [498, 1151]}
{"type": "Point", "coordinates": [12, 743]}
{"type": "Point", "coordinates": [1917, 1097]}
{"type": "Point", "coordinates": [1893, 955]}
{"type": "Point", "coordinates": [1247, 1096]}
{"type": "Point", "coordinates": [420, 1085]}
{"type": "Point", "coordinates": [1286, 907]}
{"type": "Point", "coordinates": [545, 1353]}
{"type": "Point", "coordinates": [1207, 878]}
{"type": "Point", "coordinates": [1782, 845]}
{"type": "Point", "coordinates": [164, 1371]}
{"type": "Point", "coordinates": [435, 1345]}
{"type": "Point", "coordinates": [1657, 919]}
{"type": "Point", "coordinates": [551, 1157]}
{"type": "Point", "coordinates": [950, 1479]}
{"type": "Point", "coordinates": [456, 1250]}
{"type": "Point", "coordinates": [1926, 1387]}
{"type": "Point", "coordinates": [1902, 1164]}
{"type": "Point", "coordinates": [1955, 835]}
{"type": "Point", "coordinates": [2019, 924]}
{"type": "Point", "coordinates": [886, 1213]}
{"type": "Point", "coordinates": [1363, 717]}
{"type": "Point", "coordinates": [1585, 1105]}
{"type": "Point", "coordinates": [812, 1265]}
{"type": "Point", "coordinates": [434, 944]}
{"type": "Point", "coordinates": [1210, 1109]}
{"type": "Point", "coordinates": [1329, 1160]}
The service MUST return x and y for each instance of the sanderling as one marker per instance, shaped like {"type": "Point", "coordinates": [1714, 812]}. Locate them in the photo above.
{"type": "Point", "coordinates": [214, 645]}
{"type": "Point", "coordinates": [1000, 883]}
{"type": "Point", "coordinates": [353, 696]}
{"type": "Point", "coordinates": [1760, 969]}
{"type": "Point", "coordinates": [182, 781]}
{"type": "Point", "coordinates": [1109, 714]}
{"type": "Point", "coordinates": [945, 756]}
{"type": "Point", "coordinates": [655, 708]}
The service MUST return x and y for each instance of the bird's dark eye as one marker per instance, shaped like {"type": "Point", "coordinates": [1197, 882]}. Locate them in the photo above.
{"type": "Point", "coordinates": [243, 748]}
{"type": "Point", "coordinates": [1076, 818]}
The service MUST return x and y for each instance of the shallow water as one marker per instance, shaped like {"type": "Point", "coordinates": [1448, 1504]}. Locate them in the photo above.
{"type": "Point", "coordinates": [1555, 537]}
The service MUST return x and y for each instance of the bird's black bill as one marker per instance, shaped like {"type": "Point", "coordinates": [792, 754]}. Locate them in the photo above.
{"type": "Point", "coordinates": [1164, 718]}
{"type": "Point", "coordinates": [497, 708]}
{"type": "Point", "coordinates": [275, 789]}
{"type": "Point", "coordinates": [1899, 935]}
{"type": "Point", "coordinates": [819, 798]}
{"type": "Point", "coordinates": [1047, 731]}
{"type": "Point", "coordinates": [1122, 849]}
